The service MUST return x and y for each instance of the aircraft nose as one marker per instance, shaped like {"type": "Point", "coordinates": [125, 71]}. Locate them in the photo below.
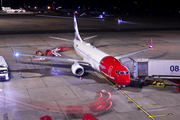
{"type": "Point", "coordinates": [127, 82]}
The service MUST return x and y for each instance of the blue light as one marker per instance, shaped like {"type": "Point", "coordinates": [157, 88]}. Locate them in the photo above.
{"type": "Point", "coordinates": [16, 54]}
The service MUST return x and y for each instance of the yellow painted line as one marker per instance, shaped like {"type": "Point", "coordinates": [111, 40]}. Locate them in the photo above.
{"type": "Point", "coordinates": [146, 97]}
{"type": "Point", "coordinates": [160, 79]}
{"type": "Point", "coordinates": [156, 86]}
{"type": "Point", "coordinates": [150, 116]}
{"type": "Point", "coordinates": [149, 105]}
{"type": "Point", "coordinates": [129, 89]}
{"type": "Point", "coordinates": [76, 54]}
{"type": "Point", "coordinates": [167, 82]}
{"type": "Point", "coordinates": [138, 97]}
{"type": "Point", "coordinates": [107, 51]}
{"type": "Point", "coordinates": [163, 115]}
{"type": "Point", "coordinates": [163, 81]}
{"type": "Point", "coordinates": [107, 80]}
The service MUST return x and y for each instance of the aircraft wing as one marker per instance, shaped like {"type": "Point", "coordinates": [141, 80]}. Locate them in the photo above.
{"type": "Point", "coordinates": [134, 53]}
{"type": "Point", "coordinates": [55, 58]}
{"type": "Point", "coordinates": [72, 40]}
{"type": "Point", "coordinates": [131, 54]}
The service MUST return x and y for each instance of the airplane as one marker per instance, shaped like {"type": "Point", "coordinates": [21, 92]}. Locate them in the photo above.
{"type": "Point", "coordinates": [34, 10]}
{"type": "Point", "coordinates": [100, 61]}
{"type": "Point", "coordinates": [55, 10]}
{"type": "Point", "coordinates": [86, 12]}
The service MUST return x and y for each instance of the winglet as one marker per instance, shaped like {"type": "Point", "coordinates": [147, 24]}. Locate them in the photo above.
{"type": "Point", "coordinates": [151, 44]}
{"type": "Point", "coordinates": [77, 36]}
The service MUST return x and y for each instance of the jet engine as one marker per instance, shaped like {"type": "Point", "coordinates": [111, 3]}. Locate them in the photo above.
{"type": "Point", "coordinates": [77, 69]}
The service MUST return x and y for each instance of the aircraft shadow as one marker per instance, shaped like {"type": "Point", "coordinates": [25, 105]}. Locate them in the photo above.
{"type": "Point", "coordinates": [136, 86]}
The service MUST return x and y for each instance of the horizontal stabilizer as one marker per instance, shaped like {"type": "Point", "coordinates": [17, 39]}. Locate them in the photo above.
{"type": "Point", "coordinates": [90, 37]}
{"type": "Point", "coordinates": [61, 39]}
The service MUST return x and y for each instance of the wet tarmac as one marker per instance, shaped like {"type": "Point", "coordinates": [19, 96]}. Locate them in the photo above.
{"type": "Point", "coordinates": [38, 88]}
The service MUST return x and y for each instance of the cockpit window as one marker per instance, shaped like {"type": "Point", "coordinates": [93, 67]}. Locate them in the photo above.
{"type": "Point", "coordinates": [122, 73]}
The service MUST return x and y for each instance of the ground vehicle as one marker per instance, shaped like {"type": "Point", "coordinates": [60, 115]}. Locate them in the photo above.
{"type": "Point", "coordinates": [4, 73]}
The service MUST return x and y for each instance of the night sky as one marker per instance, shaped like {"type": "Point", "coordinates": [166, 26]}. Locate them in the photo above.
{"type": "Point", "coordinates": [171, 6]}
{"type": "Point", "coordinates": [91, 2]}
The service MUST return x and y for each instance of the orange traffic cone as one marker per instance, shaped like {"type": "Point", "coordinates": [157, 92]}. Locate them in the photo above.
{"type": "Point", "coordinates": [20, 74]}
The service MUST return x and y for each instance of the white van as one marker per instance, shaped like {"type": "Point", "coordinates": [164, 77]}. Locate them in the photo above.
{"type": "Point", "coordinates": [4, 73]}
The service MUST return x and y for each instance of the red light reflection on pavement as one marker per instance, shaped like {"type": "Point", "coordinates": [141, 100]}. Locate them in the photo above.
{"type": "Point", "coordinates": [101, 104]}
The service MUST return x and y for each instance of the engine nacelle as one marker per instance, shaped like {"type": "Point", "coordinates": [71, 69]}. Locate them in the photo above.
{"type": "Point", "coordinates": [77, 69]}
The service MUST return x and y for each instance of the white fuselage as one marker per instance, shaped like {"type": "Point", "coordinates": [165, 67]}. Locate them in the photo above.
{"type": "Point", "coordinates": [89, 53]}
